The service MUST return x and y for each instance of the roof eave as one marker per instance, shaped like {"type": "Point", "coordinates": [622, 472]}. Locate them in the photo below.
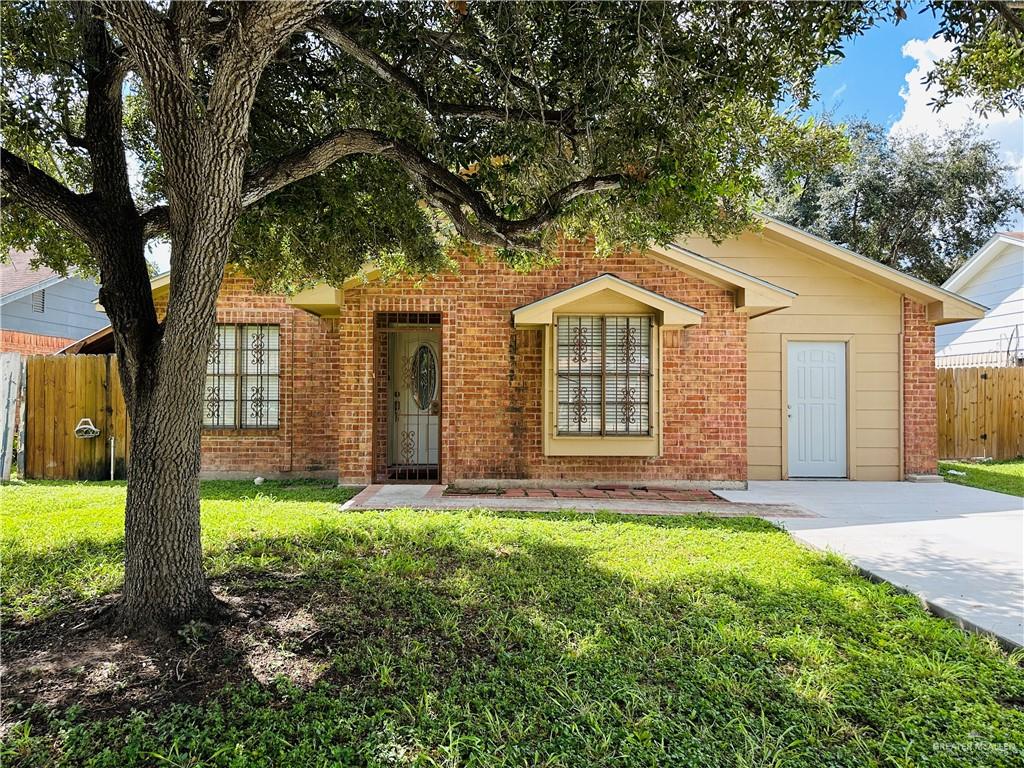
{"type": "Point", "coordinates": [28, 290]}
{"type": "Point", "coordinates": [970, 268]}
{"type": "Point", "coordinates": [754, 296]}
{"type": "Point", "coordinates": [949, 307]}
{"type": "Point", "coordinates": [673, 314]}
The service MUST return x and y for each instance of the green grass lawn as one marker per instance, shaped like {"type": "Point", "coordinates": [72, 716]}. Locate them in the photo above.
{"type": "Point", "coordinates": [486, 639]}
{"type": "Point", "coordinates": [1002, 476]}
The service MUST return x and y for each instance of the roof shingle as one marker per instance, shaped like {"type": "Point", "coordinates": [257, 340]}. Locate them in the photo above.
{"type": "Point", "coordinates": [16, 275]}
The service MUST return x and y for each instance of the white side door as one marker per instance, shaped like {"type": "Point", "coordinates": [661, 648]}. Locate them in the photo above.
{"type": "Point", "coordinates": [816, 408]}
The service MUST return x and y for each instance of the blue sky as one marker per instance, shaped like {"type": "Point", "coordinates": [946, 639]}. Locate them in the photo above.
{"type": "Point", "coordinates": [881, 76]}
{"type": "Point", "coordinates": [867, 81]}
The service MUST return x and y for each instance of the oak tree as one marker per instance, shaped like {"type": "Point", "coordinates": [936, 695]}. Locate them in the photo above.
{"type": "Point", "coordinates": [302, 139]}
{"type": "Point", "coordinates": [918, 204]}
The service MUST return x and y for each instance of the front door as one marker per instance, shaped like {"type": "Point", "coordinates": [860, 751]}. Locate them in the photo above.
{"type": "Point", "coordinates": [414, 412]}
{"type": "Point", "coordinates": [816, 409]}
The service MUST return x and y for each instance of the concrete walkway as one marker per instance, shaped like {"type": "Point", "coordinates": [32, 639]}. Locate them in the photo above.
{"type": "Point", "coordinates": [432, 497]}
{"type": "Point", "coordinates": [959, 549]}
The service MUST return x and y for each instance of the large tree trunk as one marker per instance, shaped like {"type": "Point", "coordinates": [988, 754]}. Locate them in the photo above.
{"type": "Point", "coordinates": [164, 583]}
{"type": "Point", "coordinates": [202, 128]}
{"type": "Point", "coordinates": [162, 372]}
{"type": "Point", "coordinates": [162, 379]}
{"type": "Point", "coordinates": [203, 140]}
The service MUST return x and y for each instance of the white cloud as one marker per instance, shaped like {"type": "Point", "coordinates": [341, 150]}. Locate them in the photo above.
{"type": "Point", "coordinates": [919, 116]}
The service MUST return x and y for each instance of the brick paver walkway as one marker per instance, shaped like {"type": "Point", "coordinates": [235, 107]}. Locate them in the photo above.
{"type": "Point", "coordinates": [644, 493]}
{"type": "Point", "coordinates": [628, 500]}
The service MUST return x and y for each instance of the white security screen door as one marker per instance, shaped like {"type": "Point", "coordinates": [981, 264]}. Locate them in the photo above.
{"type": "Point", "coordinates": [816, 408]}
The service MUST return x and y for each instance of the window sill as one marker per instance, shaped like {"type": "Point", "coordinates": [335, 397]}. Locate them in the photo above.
{"type": "Point", "coordinates": [239, 431]}
{"type": "Point", "coordinates": [562, 445]}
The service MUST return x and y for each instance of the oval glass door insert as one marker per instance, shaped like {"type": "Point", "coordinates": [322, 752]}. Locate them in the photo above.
{"type": "Point", "coordinates": [424, 376]}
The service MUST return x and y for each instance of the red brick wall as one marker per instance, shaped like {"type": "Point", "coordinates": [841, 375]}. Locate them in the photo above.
{"type": "Point", "coordinates": [306, 439]}
{"type": "Point", "coordinates": [31, 343]}
{"type": "Point", "coordinates": [491, 379]}
{"type": "Point", "coordinates": [920, 419]}
{"type": "Point", "coordinates": [492, 375]}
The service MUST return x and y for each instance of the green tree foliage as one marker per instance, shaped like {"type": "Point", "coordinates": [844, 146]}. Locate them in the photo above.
{"type": "Point", "coordinates": [915, 203]}
{"type": "Point", "coordinates": [987, 64]}
{"type": "Point", "coordinates": [676, 102]}
{"type": "Point", "coordinates": [669, 110]}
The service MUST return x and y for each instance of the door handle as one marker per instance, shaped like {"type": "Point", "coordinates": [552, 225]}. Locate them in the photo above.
{"type": "Point", "coordinates": [396, 405]}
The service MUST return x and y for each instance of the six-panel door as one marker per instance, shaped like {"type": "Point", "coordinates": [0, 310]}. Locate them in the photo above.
{"type": "Point", "coordinates": [816, 408]}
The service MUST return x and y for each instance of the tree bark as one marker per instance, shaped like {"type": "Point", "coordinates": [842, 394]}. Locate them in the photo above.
{"type": "Point", "coordinates": [204, 152]}
{"type": "Point", "coordinates": [162, 370]}
{"type": "Point", "coordinates": [164, 582]}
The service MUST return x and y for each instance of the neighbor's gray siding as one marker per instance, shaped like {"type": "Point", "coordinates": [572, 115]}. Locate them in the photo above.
{"type": "Point", "coordinates": [70, 311]}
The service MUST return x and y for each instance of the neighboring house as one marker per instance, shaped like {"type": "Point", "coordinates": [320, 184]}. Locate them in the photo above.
{"type": "Point", "coordinates": [994, 276]}
{"type": "Point", "coordinates": [41, 311]}
{"type": "Point", "coordinates": [772, 355]}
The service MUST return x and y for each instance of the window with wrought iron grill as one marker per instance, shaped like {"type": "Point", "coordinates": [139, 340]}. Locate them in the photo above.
{"type": "Point", "coordinates": [604, 375]}
{"type": "Point", "coordinates": [243, 377]}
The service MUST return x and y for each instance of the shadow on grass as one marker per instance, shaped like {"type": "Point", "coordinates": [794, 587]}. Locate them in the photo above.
{"type": "Point", "coordinates": [481, 638]}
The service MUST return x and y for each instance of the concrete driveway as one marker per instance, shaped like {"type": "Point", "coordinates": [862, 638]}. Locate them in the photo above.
{"type": "Point", "coordinates": [960, 549]}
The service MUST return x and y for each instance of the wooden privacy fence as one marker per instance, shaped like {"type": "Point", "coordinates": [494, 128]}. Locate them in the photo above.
{"type": "Point", "coordinates": [981, 412]}
{"type": "Point", "coordinates": [60, 391]}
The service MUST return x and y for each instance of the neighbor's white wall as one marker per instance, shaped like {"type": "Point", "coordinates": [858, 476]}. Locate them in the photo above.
{"type": "Point", "coordinates": [1000, 286]}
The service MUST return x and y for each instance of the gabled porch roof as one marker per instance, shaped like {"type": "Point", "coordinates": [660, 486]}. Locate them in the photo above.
{"type": "Point", "coordinates": [670, 313]}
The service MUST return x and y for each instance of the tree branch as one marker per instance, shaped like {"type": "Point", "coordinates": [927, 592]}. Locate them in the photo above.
{"type": "Point", "coordinates": [142, 29]}
{"type": "Point", "coordinates": [311, 160]}
{"type": "Point", "coordinates": [445, 189]}
{"type": "Point", "coordinates": [1008, 12]}
{"type": "Point", "coordinates": [445, 43]}
{"type": "Point", "coordinates": [189, 19]}
{"type": "Point", "coordinates": [47, 196]}
{"type": "Point", "coordinates": [155, 222]}
{"type": "Point", "coordinates": [400, 79]}
{"type": "Point", "coordinates": [105, 70]}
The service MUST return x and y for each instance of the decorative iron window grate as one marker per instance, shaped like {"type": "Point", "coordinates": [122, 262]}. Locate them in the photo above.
{"type": "Point", "coordinates": [604, 375]}
{"type": "Point", "coordinates": [243, 377]}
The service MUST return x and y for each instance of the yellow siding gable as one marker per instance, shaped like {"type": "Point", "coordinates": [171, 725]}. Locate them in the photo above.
{"type": "Point", "coordinates": [831, 305]}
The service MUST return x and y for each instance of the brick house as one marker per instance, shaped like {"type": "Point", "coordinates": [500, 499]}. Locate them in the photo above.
{"type": "Point", "coordinates": [769, 356]}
